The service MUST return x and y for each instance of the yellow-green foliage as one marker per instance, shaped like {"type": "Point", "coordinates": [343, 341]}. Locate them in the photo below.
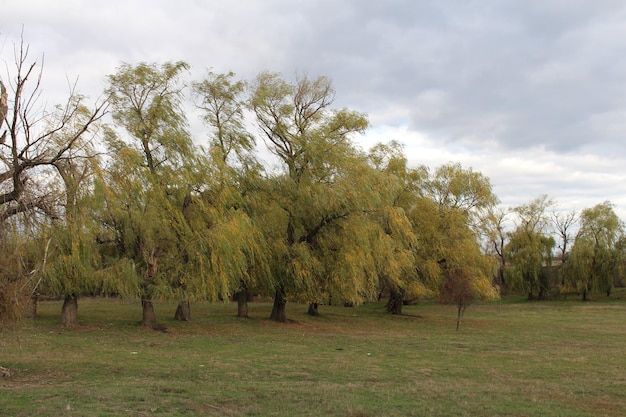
{"type": "Point", "coordinates": [449, 260]}
{"type": "Point", "coordinates": [73, 257]}
{"type": "Point", "coordinates": [528, 252]}
{"type": "Point", "coordinates": [119, 278]}
{"type": "Point", "coordinates": [352, 274]}
{"type": "Point", "coordinates": [237, 253]}
{"type": "Point", "coordinates": [176, 221]}
{"type": "Point", "coordinates": [304, 270]}
{"type": "Point", "coordinates": [71, 271]}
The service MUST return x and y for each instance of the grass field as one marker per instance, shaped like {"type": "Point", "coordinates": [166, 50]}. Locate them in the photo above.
{"type": "Point", "coordinates": [510, 358]}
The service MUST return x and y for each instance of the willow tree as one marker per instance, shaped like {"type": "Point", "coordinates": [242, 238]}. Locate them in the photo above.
{"type": "Point", "coordinates": [597, 254]}
{"type": "Point", "coordinates": [233, 171]}
{"type": "Point", "coordinates": [529, 249]}
{"type": "Point", "coordinates": [150, 169]}
{"type": "Point", "coordinates": [321, 186]}
{"type": "Point", "coordinates": [347, 256]}
{"type": "Point", "coordinates": [73, 261]}
{"type": "Point", "coordinates": [396, 245]}
{"type": "Point", "coordinates": [445, 222]}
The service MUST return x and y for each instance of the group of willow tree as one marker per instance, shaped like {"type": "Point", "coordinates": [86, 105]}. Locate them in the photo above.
{"type": "Point", "coordinates": [551, 252]}
{"type": "Point", "coordinates": [119, 199]}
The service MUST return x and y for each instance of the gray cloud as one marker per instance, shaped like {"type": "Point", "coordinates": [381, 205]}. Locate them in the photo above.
{"type": "Point", "coordinates": [532, 93]}
{"type": "Point", "coordinates": [527, 73]}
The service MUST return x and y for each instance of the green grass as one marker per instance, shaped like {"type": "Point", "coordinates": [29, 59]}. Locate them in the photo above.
{"type": "Point", "coordinates": [510, 358]}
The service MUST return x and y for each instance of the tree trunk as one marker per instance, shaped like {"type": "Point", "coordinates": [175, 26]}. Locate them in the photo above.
{"type": "Point", "coordinates": [183, 311]}
{"type": "Point", "coordinates": [394, 305]}
{"type": "Point", "coordinates": [313, 310]}
{"type": "Point", "coordinates": [149, 318]}
{"type": "Point", "coordinates": [69, 311]}
{"type": "Point", "coordinates": [278, 310]}
{"type": "Point", "coordinates": [242, 302]}
{"type": "Point", "coordinates": [459, 315]}
{"type": "Point", "coordinates": [31, 311]}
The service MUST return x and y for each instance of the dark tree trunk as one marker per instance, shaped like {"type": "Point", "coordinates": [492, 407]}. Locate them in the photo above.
{"type": "Point", "coordinates": [242, 302]}
{"type": "Point", "coordinates": [278, 310]}
{"type": "Point", "coordinates": [585, 293]}
{"type": "Point", "coordinates": [149, 318]}
{"type": "Point", "coordinates": [69, 311]}
{"type": "Point", "coordinates": [313, 310]}
{"type": "Point", "coordinates": [183, 311]}
{"type": "Point", "coordinates": [394, 305]}
{"type": "Point", "coordinates": [459, 315]}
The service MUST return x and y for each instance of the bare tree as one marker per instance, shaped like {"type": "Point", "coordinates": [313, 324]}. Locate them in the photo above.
{"type": "Point", "coordinates": [36, 139]}
{"type": "Point", "coordinates": [34, 144]}
{"type": "Point", "coordinates": [563, 223]}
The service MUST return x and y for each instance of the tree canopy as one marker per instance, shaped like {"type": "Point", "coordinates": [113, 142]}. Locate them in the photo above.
{"type": "Point", "coordinates": [138, 206]}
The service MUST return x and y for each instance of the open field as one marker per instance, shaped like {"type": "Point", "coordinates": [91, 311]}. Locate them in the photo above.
{"type": "Point", "coordinates": [510, 358]}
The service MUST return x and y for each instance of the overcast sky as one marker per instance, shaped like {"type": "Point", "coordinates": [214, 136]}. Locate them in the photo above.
{"type": "Point", "coordinates": [530, 93]}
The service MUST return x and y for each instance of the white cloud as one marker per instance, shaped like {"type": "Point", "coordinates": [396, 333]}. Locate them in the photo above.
{"type": "Point", "coordinates": [573, 180]}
